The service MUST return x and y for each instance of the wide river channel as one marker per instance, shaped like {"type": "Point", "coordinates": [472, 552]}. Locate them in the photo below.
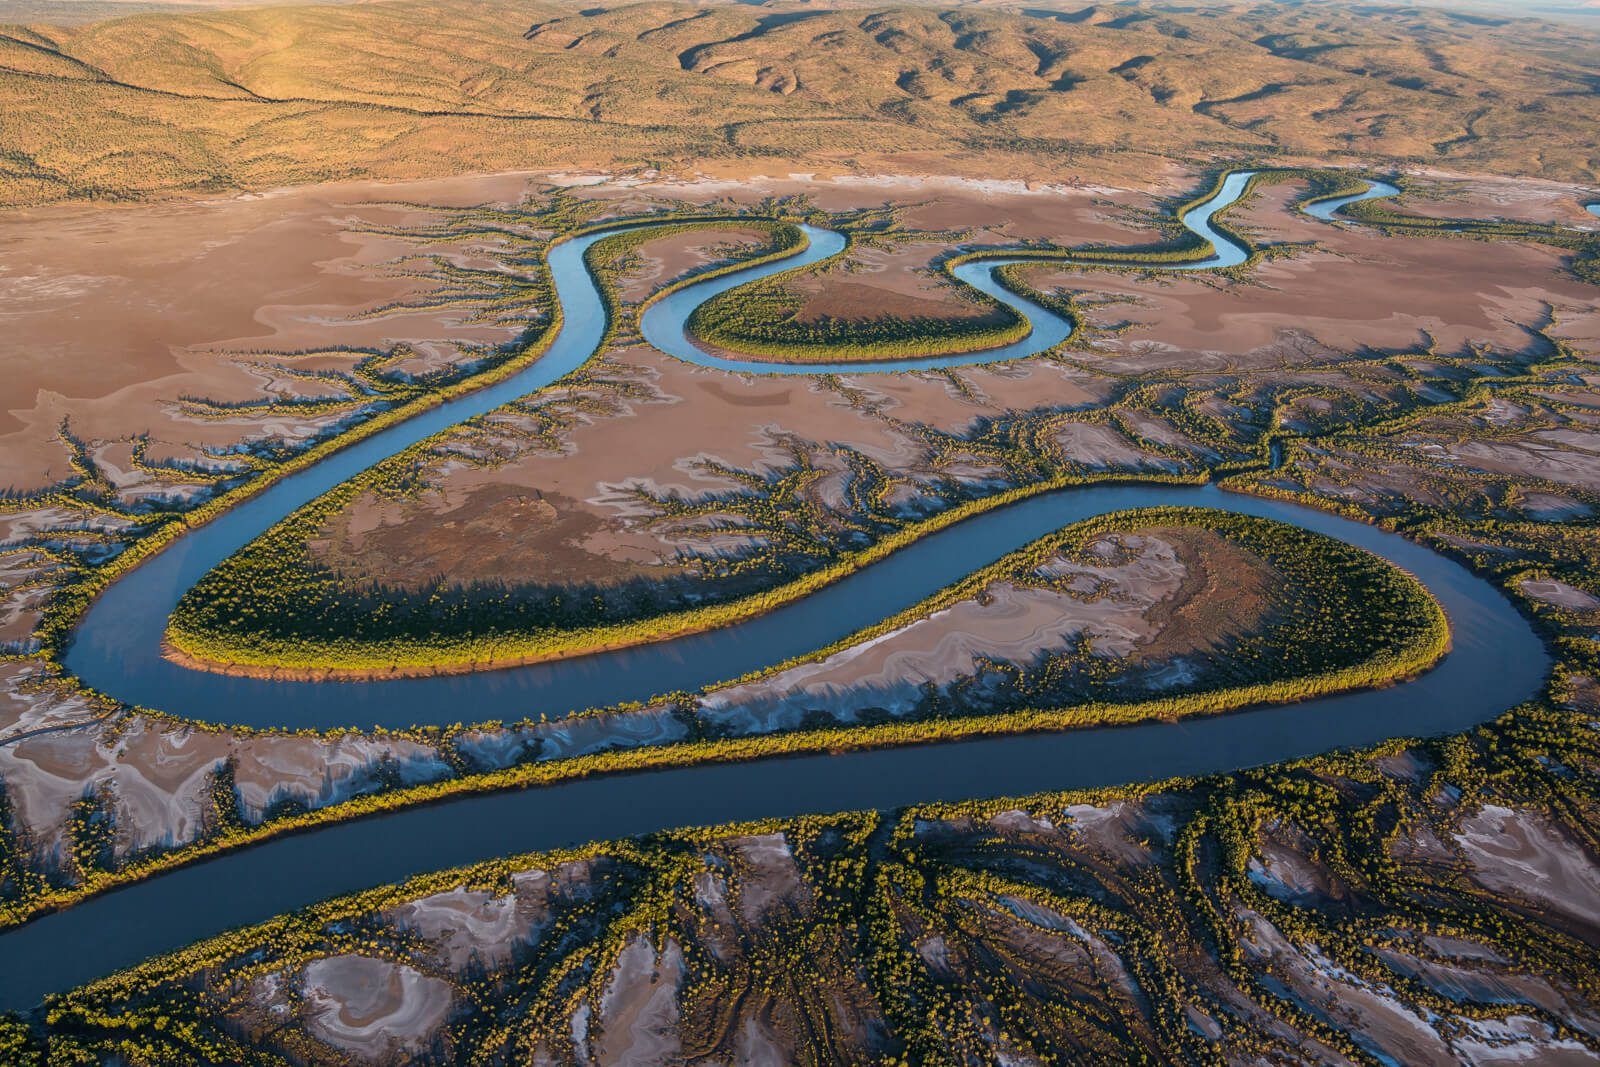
{"type": "Point", "coordinates": [1496, 661]}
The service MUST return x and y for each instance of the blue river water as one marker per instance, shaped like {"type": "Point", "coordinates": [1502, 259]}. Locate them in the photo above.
{"type": "Point", "coordinates": [1496, 661]}
{"type": "Point", "coordinates": [117, 646]}
{"type": "Point", "coordinates": [663, 323]}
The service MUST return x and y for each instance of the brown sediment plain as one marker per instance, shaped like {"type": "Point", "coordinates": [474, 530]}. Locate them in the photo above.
{"type": "Point", "coordinates": [1357, 291]}
{"type": "Point", "coordinates": [1008, 917]}
{"type": "Point", "coordinates": [155, 777]}
{"type": "Point", "coordinates": [874, 283]}
{"type": "Point", "coordinates": [577, 500]}
{"type": "Point", "coordinates": [469, 926]}
{"type": "Point", "coordinates": [1561, 595]}
{"type": "Point", "coordinates": [554, 499]}
{"type": "Point", "coordinates": [567, 513]}
{"type": "Point", "coordinates": [1445, 194]}
{"type": "Point", "coordinates": [1143, 601]}
{"type": "Point", "coordinates": [374, 1009]}
{"type": "Point", "coordinates": [637, 1018]}
{"type": "Point", "coordinates": [1518, 853]}
{"type": "Point", "coordinates": [995, 210]}
{"type": "Point", "coordinates": [26, 580]}
{"type": "Point", "coordinates": [109, 316]}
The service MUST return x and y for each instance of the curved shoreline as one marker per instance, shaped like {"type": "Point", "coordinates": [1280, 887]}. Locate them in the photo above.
{"type": "Point", "coordinates": [663, 321]}
{"type": "Point", "coordinates": [1496, 661]}
{"type": "Point", "coordinates": [116, 647]}
{"type": "Point", "coordinates": [1327, 209]}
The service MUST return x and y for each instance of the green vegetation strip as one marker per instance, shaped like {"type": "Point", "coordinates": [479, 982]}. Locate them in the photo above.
{"type": "Point", "coordinates": [66, 607]}
{"type": "Point", "coordinates": [272, 608]}
{"type": "Point", "coordinates": [763, 319]}
{"type": "Point", "coordinates": [878, 883]}
{"type": "Point", "coordinates": [1373, 625]}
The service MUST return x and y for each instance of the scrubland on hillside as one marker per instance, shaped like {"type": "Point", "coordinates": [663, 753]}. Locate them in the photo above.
{"type": "Point", "coordinates": [162, 104]}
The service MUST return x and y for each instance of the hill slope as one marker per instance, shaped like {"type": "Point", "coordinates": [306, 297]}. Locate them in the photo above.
{"type": "Point", "coordinates": [163, 103]}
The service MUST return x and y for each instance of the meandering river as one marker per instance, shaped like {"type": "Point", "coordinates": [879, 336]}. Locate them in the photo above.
{"type": "Point", "coordinates": [117, 646]}
{"type": "Point", "coordinates": [1496, 661]}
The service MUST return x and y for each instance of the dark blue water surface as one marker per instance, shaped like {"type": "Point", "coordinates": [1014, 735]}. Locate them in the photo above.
{"type": "Point", "coordinates": [1495, 662]}
{"type": "Point", "coordinates": [117, 646]}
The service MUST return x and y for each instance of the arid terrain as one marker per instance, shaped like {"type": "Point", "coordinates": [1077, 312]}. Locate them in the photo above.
{"type": "Point", "coordinates": [197, 319]}
{"type": "Point", "coordinates": [563, 495]}
{"type": "Point", "coordinates": [561, 490]}
{"type": "Point", "coordinates": [1217, 924]}
{"type": "Point", "coordinates": [153, 105]}
{"type": "Point", "coordinates": [238, 239]}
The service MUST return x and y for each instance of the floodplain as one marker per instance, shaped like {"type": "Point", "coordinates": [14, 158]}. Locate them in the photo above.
{"type": "Point", "coordinates": [1190, 566]}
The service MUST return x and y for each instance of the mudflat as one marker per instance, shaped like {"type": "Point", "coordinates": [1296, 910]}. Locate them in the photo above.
{"type": "Point", "coordinates": [108, 317]}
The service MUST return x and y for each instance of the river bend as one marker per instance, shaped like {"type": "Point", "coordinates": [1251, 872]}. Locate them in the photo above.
{"type": "Point", "coordinates": [1496, 661]}
{"type": "Point", "coordinates": [117, 647]}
